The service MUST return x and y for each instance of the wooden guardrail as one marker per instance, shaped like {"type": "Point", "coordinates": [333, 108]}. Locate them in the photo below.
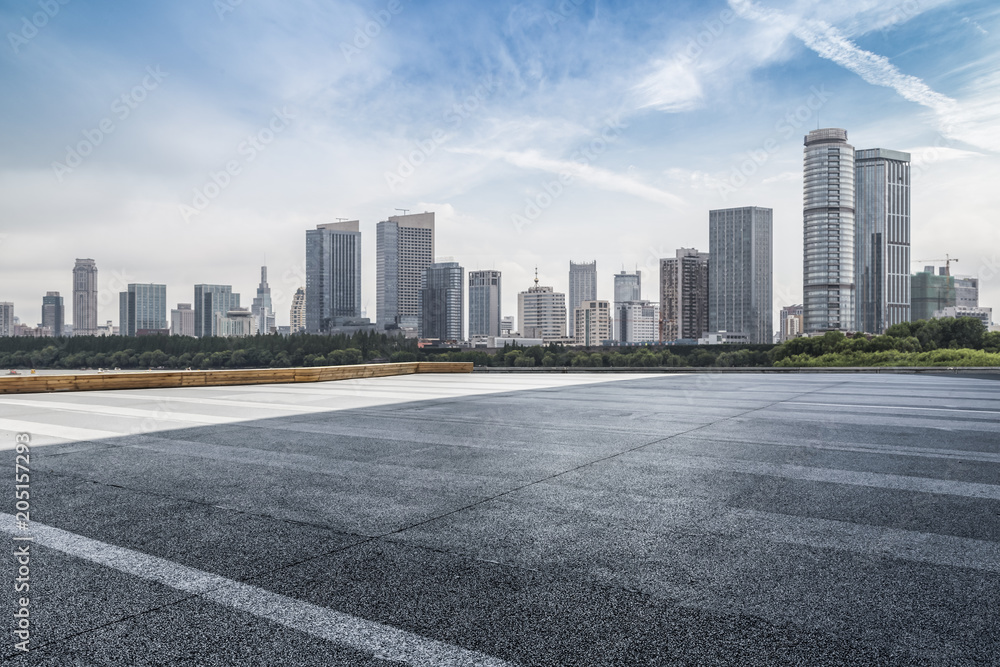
{"type": "Point", "coordinates": [34, 384]}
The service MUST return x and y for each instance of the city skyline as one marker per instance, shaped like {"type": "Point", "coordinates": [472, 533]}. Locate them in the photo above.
{"type": "Point", "coordinates": [684, 108]}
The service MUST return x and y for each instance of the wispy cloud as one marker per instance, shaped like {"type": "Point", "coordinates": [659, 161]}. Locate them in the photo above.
{"type": "Point", "coordinates": [585, 173]}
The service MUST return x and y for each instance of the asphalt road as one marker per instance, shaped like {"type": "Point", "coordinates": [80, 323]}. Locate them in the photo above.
{"type": "Point", "coordinates": [511, 520]}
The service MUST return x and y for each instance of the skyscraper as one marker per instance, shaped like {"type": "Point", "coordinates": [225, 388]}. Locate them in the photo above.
{"type": "Point", "coordinates": [739, 275]}
{"type": "Point", "coordinates": [441, 303]}
{"type": "Point", "coordinates": [85, 298]}
{"type": "Point", "coordinates": [333, 275]}
{"type": "Point", "coordinates": [261, 308]}
{"type": "Point", "coordinates": [6, 318]}
{"type": "Point", "coordinates": [828, 218]}
{"type": "Point", "coordinates": [582, 287]}
{"type": "Point", "coordinates": [684, 295]}
{"type": "Point", "coordinates": [143, 309]}
{"type": "Point", "coordinates": [297, 314]}
{"type": "Point", "coordinates": [211, 302]}
{"type": "Point", "coordinates": [404, 247]}
{"type": "Point", "coordinates": [484, 303]}
{"type": "Point", "coordinates": [882, 239]}
{"type": "Point", "coordinates": [541, 312]}
{"type": "Point", "coordinates": [53, 313]}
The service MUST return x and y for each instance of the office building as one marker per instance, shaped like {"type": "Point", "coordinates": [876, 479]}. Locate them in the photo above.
{"type": "Point", "coordinates": [53, 313]}
{"type": "Point", "coordinates": [628, 288]}
{"type": "Point", "coordinates": [182, 320]}
{"type": "Point", "coordinates": [791, 322]}
{"type": "Point", "coordinates": [541, 312]}
{"type": "Point", "coordinates": [85, 298]}
{"type": "Point", "coordinates": [333, 276]}
{"type": "Point", "coordinates": [236, 323]}
{"type": "Point", "coordinates": [506, 325]}
{"type": "Point", "coordinates": [683, 295]}
{"type": "Point", "coordinates": [209, 301]}
{"type": "Point", "coordinates": [261, 307]}
{"type": "Point", "coordinates": [404, 247]}
{"type": "Point", "coordinates": [828, 219]}
{"type": "Point", "coordinates": [142, 310]}
{"type": "Point", "coordinates": [930, 293]}
{"type": "Point", "coordinates": [297, 314]}
{"type": "Point", "coordinates": [739, 275]}
{"type": "Point", "coordinates": [7, 319]}
{"type": "Point", "coordinates": [966, 291]}
{"type": "Point", "coordinates": [441, 303]}
{"type": "Point", "coordinates": [484, 303]}
{"type": "Point", "coordinates": [881, 239]}
{"type": "Point", "coordinates": [582, 287]}
{"type": "Point", "coordinates": [636, 322]}
{"type": "Point", "coordinates": [592, 323]}
{"type": "Point", "coordinates": [984, 315]}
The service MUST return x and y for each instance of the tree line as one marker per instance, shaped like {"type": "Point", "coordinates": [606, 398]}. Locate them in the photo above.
{"type": "Point", "coordinates": [937, 342]}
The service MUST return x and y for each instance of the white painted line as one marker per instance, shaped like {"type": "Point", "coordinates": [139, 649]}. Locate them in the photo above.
{"type": "Point", "coordinates": [113, 411]}
{"type": "Point", "coordinates": [377, 639]}
{"type": "Point", "coordinates": [911, 545]}
{"type": "Point", "coordinates": [889, 407]}
{"type": "Point", "coordinates": [54, 430]}
{"type": "Point", "coordinates": [838, 476]}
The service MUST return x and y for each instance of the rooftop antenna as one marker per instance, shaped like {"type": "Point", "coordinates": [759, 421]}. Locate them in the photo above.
{"type": "Point", "coordinates": [536, 276]}
{"type": "Point", "coordinates": [341, 219]}
{"type": "Point", "coordinates": [404, 210]}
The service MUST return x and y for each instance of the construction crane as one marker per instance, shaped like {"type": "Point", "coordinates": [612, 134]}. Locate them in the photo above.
{"type": "Point", "coordinates": [948, 259]}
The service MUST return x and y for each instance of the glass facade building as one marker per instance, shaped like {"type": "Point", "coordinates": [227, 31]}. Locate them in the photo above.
{"type": "Point", "coordinates": [828, 219]}
{"type": "Point", "coordinates": [333, 275]}
{"type": "Point", "coordinates": [142, 309]}
{"type": "Point", "coordinates": [53, 313]}
{"type": "Point", "coordinates": [210, 303]}
{"type": "Point", "coordinates": [739, 272]}
{"type": "Point", "coordinates": [404, 247]}
{"type": "Point", "coordinates": [441, 304]}
{"type": "Point", "coordinates": [882, 239]}
{"type": "Point", "coordinates": [484, 303]}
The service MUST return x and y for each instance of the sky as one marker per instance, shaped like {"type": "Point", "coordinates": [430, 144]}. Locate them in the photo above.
{"type": "Point", "coordinates": [192, 142]}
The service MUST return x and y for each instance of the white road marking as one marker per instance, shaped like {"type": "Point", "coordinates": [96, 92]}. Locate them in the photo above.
{"type": "Point", "coordinates": [382, 641]}
{"type": "Point", "coordinates": [890, 407]}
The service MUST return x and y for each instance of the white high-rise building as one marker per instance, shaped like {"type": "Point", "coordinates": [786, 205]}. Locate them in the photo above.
{"type": "Point", "coordinates": [828, 217]}
{"type": "Point", "coordinates": [182, 320]}
{"type": "Point", "coordinates": [637, 322]}
{"type": "Point", "coordinates": [592, 323]}
{"type": "Point", "coordinates": [297, 316]}
{"type": "Point", "coordinates": [541, 312]}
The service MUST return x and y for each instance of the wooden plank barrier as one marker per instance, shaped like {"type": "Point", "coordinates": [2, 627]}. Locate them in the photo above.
{"type": "Point", "coordinates": [34, 384]}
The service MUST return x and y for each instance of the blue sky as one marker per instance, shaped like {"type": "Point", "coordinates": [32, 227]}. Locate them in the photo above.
{"type": "Point", "coordinates": [538, 131]}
